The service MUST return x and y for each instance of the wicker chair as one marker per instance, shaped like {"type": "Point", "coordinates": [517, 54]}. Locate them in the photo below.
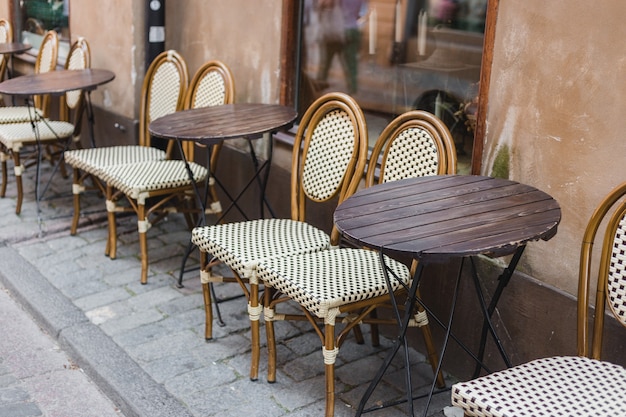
{"type": "Point", "coordinates": [580, 385]}
{"type": "Point", "coordinates": [46, 61]}
{"type": "Point", "coordinates": [6, 36]}
{"type": "Point", "coordinates": [155, 188]}
{"type": "Point", "coordinates": [23, 141]}
{"type": "Point", "coordinates": [347, 285]}
{"type": "Point", "coordinates": [328, 158]}
{"type": "Point", "coordinates": [163, 92]}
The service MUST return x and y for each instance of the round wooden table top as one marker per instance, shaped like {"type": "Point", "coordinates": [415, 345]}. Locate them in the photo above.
{"type": "Point", "coordinates": [211, 125]}
{"type": "Point", "coordinates": [14, 47]}
{"type": "Point", "coordinates": [448, 215]}
{"type": "Point", "coordinates": [56, 82]}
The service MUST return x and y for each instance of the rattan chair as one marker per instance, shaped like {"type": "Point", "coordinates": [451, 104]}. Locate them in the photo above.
{"type": "Point", "coordinates": [329, 156]}
{"type": "Point", "coordinates": [213, 84]}
{"type": "Point", "coordinates": [155, 188]}
{"type": "Point", "coordinates": [580, 385]}
{"type": "Point", "coordinates": [347, 285]}
{"type": "Point", "coordinates": [6, 36]}
{"type": "Point", "coordinates": [46, 61]}
{"type": "Point", "coordinates": [27, 141]}
{"type": "Point", "coordinates": [163, 92]}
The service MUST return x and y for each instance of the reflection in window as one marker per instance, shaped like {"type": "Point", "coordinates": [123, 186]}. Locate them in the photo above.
{"type": "Point", "coordinates": [36, 17]}
{"type": "Point", "coordinates": [396, 55]}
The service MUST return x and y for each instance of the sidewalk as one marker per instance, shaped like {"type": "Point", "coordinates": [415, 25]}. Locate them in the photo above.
{"type": "Point", "coordinates": [143, 345]}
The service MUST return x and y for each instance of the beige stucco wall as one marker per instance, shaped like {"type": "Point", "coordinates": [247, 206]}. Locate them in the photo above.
{"type": "Point", "coordinates": [557, 102]}
{"type": "Point", "coordinates": [242, 33]}
{"type": "Point", "coordinates": [115, 32]}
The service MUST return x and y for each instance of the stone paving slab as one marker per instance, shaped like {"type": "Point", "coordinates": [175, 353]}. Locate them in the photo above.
{"type": "Point", "coordinates": [143, 345]}
{"type": "Point", "coordinates": [37, 378]}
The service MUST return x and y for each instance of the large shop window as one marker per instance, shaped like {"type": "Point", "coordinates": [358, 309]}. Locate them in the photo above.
{"type": "Point", "coordinates": [32, 18]}
{"type": "Point", "coordinates": [396, 55]}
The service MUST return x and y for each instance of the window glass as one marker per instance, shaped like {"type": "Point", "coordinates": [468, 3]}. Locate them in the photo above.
{"type": "Point", "coordinates": [35, 17]}
{"type": "Point", "coordinates": [396, 55]}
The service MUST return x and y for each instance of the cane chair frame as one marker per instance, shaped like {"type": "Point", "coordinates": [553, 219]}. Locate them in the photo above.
{"type": "Point", "coordinates": [413, 144]}
{"type": "Point", "coordinates": [341, 181]}
{"type": "Point", "coordinates": [567, 384]}
{"type": "Point", "coordinates": [212, 84]}
{"type": "Point", "coordinates": [6, 36]}
{"type": "Point", "coordinates": [57, 136]}
{"type": "Point", "coordinates": [167, 95]}
{"type": "Point", "coordinates": [46, 61]}
{"type": "Point", "coordinates": [168, 73]}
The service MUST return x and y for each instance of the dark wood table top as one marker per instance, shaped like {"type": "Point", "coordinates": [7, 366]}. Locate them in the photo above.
{"type": "Point", "coordinates": [445, 216]}
{"type": "Point", "coordinates": [56, 82]}
{"type": "Point", "coordinates": [14, 47]}
{"type": "Point", "coordinates": [211, 125]}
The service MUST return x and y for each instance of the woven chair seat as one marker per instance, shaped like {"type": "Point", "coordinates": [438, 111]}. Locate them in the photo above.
{"type": "Point", "coordinates": [333, 278]}
{"type": "Point", "coordinates": [242, 245]}
{"type": "Point", "coordinates": [556, 387]}
{"type": "Point", "coordinates": [19, 114]}
{"type": "Point", "coordinates": [135, 180]}
{"type": "Point", "coordinates": [93, 160]}
{"type": "Point", "coordinates": [13, 136]}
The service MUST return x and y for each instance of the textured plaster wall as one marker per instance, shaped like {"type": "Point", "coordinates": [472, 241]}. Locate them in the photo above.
{"type": "Point", "coordinates": [114, 29]}
{"type": "Point", "coordinates": [244, 34]}
{"type": "Point", "coordinates": [557, 106]}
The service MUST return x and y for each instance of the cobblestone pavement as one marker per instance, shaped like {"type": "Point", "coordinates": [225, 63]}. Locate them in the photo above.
{"type": "Point", "coordinates": [143, 345]}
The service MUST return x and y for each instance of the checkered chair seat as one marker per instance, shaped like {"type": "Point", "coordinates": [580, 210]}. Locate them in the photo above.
{"type": "Point", "coordinates": [19, 114]}
{"type": "Point", "coordinates": [324, 281]}
{"type": "Point", "coordinates": [137, 180]}
{"type": "Point", "coordinates": [556, 387]}
{"type": "Point", "coordinates": [93, 160]}
{"type": "Point", "coordinates": [14, 136]}
{"type": "Point", "coordinates": [242, 245]}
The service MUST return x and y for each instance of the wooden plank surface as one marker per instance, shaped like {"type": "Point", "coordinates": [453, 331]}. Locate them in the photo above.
{"type": "Point", "coordinates": [210, 125]}
{"type": "Point", "coordinates": [448, 216]}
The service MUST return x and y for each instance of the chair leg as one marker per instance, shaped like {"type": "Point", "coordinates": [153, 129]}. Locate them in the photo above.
{"type": "Point", "coordinates": [18, 181]}
{"type": "Point", "coordinates": [268, 315]}
{"type": "Point", "coordinates": [254, 311]}
{"type": "Point", "coordinates": [111, 245]}
{"type": "Point", "coordinates": [208, 311]}
{"type": "Point", "coordinates": [206, 293]}
{"type": "Point", "coordinates": [330, 354]}
{"type": "Point", "coordinates": [142, 227]}
{"type": "Point", "coordinates": [77, 189]}
{"type": "Point", "coordinates": [3, 161]}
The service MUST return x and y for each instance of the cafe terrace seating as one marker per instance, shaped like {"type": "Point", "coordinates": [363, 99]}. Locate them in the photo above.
{"type": "Point", "coordinates": [328, 159]}
{"type": "Point", "coordinates": [347, 285]}
{"type": "Point", "coordinates": [46, 61]}
{"type": "Point", "coordinates": [55, 135]}
{"type": "Point", "coordinates": [162, 92]}
{"type": "Point", "coordinates": [582, 385]}
{"type": "Point", "coordinates": [155, 188]}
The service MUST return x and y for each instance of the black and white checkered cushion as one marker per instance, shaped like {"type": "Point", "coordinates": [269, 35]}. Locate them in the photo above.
{"type": "Point", "coordinates": [323, 281]}
{"type": "Point", "coordinates": [13, 136]}
{"type": "Point", "coordinates": [93, 160]}
{"type": "Point", "coordinates": [242, 245]}
{"type": "Point", "coordinates": [551, 387]}
{"type": "Point", "coordinates": [135, 180]}
{"type": "Point", "coordinates": [19, 114]}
